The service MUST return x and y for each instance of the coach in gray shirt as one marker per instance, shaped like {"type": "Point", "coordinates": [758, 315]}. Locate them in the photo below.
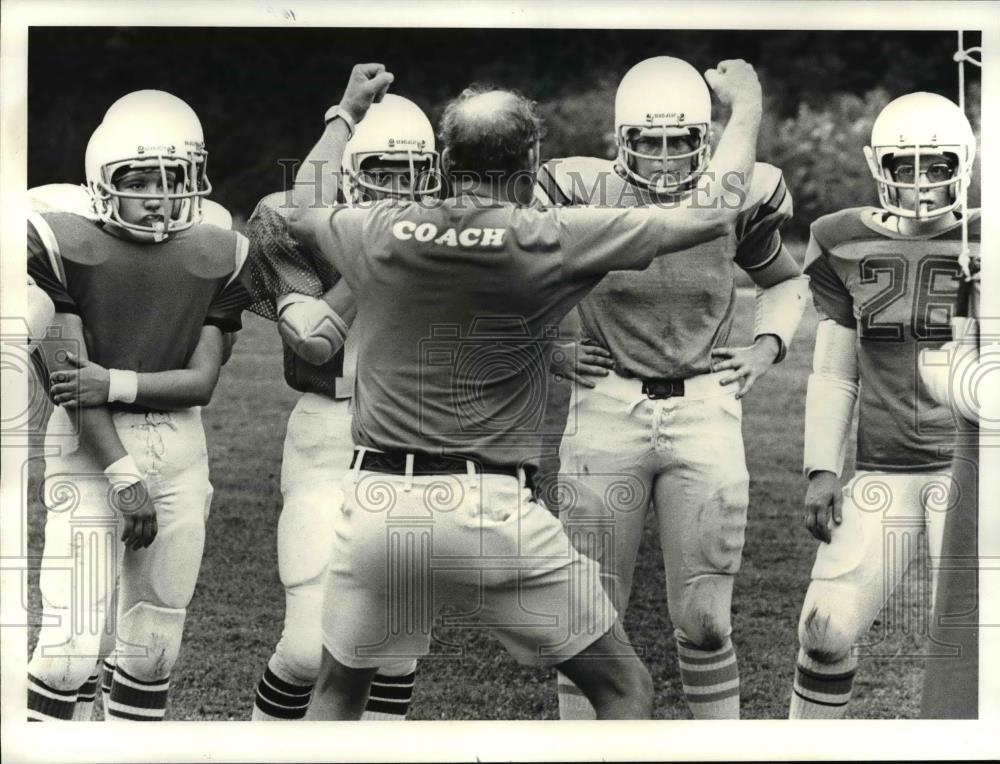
{"type": "Point", "coordinates": [454, 300]}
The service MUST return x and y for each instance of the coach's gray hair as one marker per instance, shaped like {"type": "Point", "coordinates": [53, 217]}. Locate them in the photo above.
{"type": "Point", "coordinates": [488, 129]}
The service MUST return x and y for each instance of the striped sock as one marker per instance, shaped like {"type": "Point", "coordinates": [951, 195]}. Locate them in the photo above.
{"type": "Point", "coordinates": [137, 700]}
{"type": "Point", "coordinates": [83, 711]}
{"type": "Point", "coordinates": [48, 704]}
{"type": "Point", "coordinates": [573, 704]}
{"type": "Point", "coordinates": [390, 697]}
{"type": "Point", "coordinates": [711, 680]}
{"type": "Point", "coordinates": [107, 677]}
{"type": "Point", "coordinates": [822, 690]}
{"type": "Point", "coordinates": [279, 699]}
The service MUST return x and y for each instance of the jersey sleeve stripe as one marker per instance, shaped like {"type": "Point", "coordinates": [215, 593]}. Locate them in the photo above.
{"type": "Point", "coordinates": [550, 187]}
{"type": "Point", "coordinates": [770, 207]}
{"type": "Point", "coordinates": [780, 189]}
{"type": "Point", "coordinates": [767, 260]}
{"type": "Point", "coordinates": [48, 239]}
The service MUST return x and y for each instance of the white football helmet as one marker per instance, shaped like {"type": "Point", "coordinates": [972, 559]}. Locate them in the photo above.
{"type": "Point", "coordinates": [915, 124]}
{"type": "Point", "coordinates": [393, 130]}
{"type": "Point", "coordinates": [149, 129]}
{"type": "Point", "coordinates": [663, 97]}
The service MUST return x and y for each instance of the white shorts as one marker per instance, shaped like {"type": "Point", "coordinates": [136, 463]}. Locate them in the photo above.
{"type": "Point", "coordinates": [406, 546]}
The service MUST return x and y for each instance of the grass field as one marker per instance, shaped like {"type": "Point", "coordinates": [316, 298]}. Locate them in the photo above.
{"type": "Point", "coordinates": [235, 618]}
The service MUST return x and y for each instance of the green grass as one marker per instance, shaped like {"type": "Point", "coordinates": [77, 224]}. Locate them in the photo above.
{"type": "Point", "coordinates": [236, 615]}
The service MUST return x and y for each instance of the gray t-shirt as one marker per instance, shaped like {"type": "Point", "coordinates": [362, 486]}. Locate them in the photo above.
{"type": "Point", "coordinates": [455, 305]}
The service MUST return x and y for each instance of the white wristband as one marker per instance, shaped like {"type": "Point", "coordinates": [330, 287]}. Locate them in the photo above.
{"type": "Point", "coordinates": [123, 473]}
{"type": "Point", "coordinates": [337, 111]}
{"type": "Point", "coordinates": [122, 386]}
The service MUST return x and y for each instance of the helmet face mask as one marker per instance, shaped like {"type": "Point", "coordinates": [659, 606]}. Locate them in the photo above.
{"type": "Point", "coordinates": [916, 126]}
{"type": "Point", "coordinates": [392, 154]}
{"type": "Point", "coordinates": [663, 98]}
{"type": "Point", "coordinates": [393, 174]}
{"type": "Point", "coordinates": [665, 179]}
{"type": "Point", "coordinates": [155, 131]}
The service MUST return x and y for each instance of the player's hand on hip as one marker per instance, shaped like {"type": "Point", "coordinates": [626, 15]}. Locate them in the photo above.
{"type": "Point", "coordinates": [734, 82]}
{"type": "Point", "coordinates": [367, 84]}
{"type": "Point", "coordinates": [138, 514]}
{"type": "Point", "coordinates": [824, 503]}
{"type": "Point", "coordinates": [579, 360]}
{"type": "Point", "coordinates": [86, 385]}
{"type": "Point", "coordinates": [748, 364]}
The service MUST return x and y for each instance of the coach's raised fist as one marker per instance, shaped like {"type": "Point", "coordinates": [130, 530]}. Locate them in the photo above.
{"type": "Point", "coordinates": [367, 85]}
{"type": "Point", "coordinates": [735, 82]}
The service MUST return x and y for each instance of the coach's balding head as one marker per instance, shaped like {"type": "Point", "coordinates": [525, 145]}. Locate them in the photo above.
{"type": "Point", "coordinates": [490, 136]}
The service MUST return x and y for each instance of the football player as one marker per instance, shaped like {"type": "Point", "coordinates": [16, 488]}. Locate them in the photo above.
{"type": "Point", "coordinates": [391, 155]}
{"type": "Point", "coordinates": [77, 199]}
{"type": "Point", "coordinates": [655, 418]}
{"type": "Point", "coordinates": [885, 282]}
{"type": "Point", "coordinates": [139, 346]}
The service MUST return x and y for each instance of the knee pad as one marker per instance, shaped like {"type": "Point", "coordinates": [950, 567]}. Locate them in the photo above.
{"type": "Point", "coordinates": [722, 524]}
{"type": "Point", "coordinates": [301, 644]}
{"type": "Point", "coordinates": [172, 563]}
{"type": "Point", "coordinates": [827, 631]}
{"type": "Point", "coordinates": [64, 661]}
{"type": "Point", "coordinates": [704, 620]}
{"type": "Point", "coordinates": [398, 668]}
{"type": "Point", "coordinates": [305, 536]}
{"type": "Point", "coordinates": [150, 640]}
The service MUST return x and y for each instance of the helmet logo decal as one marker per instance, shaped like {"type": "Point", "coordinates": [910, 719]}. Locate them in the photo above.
{"type": "Point", "coordinates": [393, 142]}
{"type": "Point", "coordinates": [159, 149]}
{"type": "Point", "coordinates": [677, 116]}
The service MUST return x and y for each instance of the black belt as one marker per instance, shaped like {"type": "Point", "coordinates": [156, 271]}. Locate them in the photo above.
{"type": "Point", "coordinates": [394, 463]}
{"type": "Point", "coordinates": [663, 388]}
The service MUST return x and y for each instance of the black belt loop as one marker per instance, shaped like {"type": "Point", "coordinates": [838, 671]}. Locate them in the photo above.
{"type": "Point", "coordinates": [663, 388]}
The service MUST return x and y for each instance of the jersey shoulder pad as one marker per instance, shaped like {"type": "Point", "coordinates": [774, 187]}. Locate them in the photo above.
{"type": "Point", "coordinates": [212, 252]}
{"type": "Point", "coordinates": [841, 228]}
{"type": "Point", "coordinates": [62, 197]}
{"type": "Point", "coordinates": [767, 184]}
{"type": "Point", "coordinates": [573, 180]}
{"type": "Point", "coordinates": [215, 214]}
{"type": "Point", "coordinates": [70, 236]}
